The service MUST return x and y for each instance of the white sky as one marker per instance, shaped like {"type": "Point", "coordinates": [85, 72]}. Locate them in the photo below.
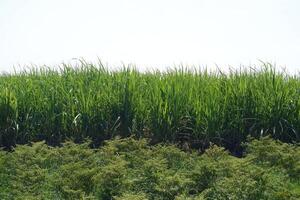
{"type": "Point", "coordinates": [152, 33]}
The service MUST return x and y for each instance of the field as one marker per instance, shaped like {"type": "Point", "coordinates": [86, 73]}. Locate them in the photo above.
{"type": "Point", "coordinates": [179, 105]}
{"type": "Point", "coordinates": [124, 134]}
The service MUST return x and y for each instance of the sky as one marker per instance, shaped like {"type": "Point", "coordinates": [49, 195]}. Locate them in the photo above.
{"type": "Point", "coordinates": [150, 34]}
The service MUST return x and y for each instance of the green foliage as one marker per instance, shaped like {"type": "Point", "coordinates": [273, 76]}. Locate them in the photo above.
{"type": "Point", "coordinates": [272, 153]}
{"type": "Point", "coordinates": [196, 106]}
{"type": "Point", "coordinates": [132, 169]}
{"type": "Point", "coordinates": [129, 196]}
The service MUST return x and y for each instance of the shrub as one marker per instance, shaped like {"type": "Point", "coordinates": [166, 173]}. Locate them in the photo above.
{"type": "Point", "coordinates": [133, 169]}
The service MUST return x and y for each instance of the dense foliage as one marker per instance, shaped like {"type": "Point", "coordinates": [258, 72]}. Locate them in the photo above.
{"type": "Point", "coordinates": [193, 107]}
{"type": "Point", "coordinates": [131, 169]}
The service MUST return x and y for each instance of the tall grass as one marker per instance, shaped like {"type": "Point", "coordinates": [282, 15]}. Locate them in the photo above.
{"type": "Point", "coordinates": [180, 104]}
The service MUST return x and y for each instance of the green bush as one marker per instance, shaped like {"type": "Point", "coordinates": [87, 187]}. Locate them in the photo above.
{"type": "Point", "coordinates": [133, 169]}
{"type": "Point", "coordinates": [273, 153]}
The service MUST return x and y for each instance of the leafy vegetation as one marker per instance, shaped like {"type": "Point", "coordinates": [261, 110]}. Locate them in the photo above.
{"type": "Point", "coordinates": [192, 107]}
{"type": "Point", "coordinates": [133, 169]}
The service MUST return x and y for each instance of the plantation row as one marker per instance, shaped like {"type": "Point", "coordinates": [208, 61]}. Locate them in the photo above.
{"type": "Point", "coordinates": [129, 169]}
{"type": "Point", "coordinates": [192, 107]}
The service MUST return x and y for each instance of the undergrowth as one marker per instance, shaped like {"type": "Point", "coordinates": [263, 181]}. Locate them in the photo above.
{"type": "Point", "coordinates": [134, 170]}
